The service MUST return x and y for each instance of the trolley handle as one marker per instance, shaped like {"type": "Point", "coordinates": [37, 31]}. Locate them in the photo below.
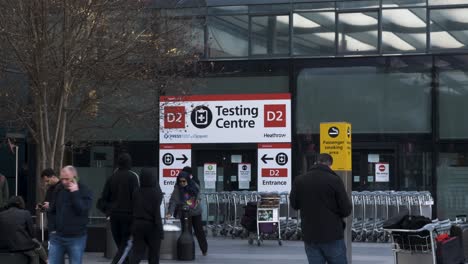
{"type": "Point", "coordinates": [428, 227]}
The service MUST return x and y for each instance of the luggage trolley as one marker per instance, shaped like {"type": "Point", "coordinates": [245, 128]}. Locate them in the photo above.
{"type": "Point", "coordinates": [268, 220]}
{"type": "Point", "coordinates": [417, 246]}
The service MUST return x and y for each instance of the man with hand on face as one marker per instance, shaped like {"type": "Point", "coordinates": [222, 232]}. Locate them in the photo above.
{"type": "Point", "coordinates": [70, 211]}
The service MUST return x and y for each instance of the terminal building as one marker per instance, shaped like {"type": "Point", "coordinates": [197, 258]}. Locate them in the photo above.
{"type": "Point", "coordinates": [397, 70]}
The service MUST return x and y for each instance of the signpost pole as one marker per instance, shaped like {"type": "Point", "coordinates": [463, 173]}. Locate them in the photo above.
{"type": "Point", "coordinates": [335, 139]}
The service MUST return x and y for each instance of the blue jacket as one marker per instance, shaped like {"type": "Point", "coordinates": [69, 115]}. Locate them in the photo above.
{"type": "Point", "coordinates": [71, 210]}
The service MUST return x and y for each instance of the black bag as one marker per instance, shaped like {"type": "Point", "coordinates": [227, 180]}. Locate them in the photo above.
{"type": "Point", "coordinates": [395, 221]}
{"type": "Point", "coordinates": [418, 239]}
{"type": "Point", "coordinates": [450, 252]}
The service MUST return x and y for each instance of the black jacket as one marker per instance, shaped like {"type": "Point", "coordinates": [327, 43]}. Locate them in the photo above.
{"type": "Point", "coordinates": [117, 196]}
{"type": "Point", "coordinates": [50, 197]}
{"type": "Point", "coordinates": [16, 230]}
{"type": "Point", "coordinates": [321, 197]}
{"type": "Point", "coordinates": [147, 200]}
{"type": "Point", "coordinates": [118, 192]}
{"type": "Point", "coordinates": [70, 211]}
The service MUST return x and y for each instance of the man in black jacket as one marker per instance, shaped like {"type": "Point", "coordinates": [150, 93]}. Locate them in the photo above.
{"type": "Point", "coordinates": [70, 211]}
{"type": "Point", "coordinates": [117, 202]}
{"type": "Point", "coordinates": [51, 180]}
{"type": "Point", "coordinates": [321, 197]}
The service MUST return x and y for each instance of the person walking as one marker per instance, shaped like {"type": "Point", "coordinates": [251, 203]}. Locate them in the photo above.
{"type": "Point", "coordinates": [321, 197]}
{"type": "Point", "coordinates": [17, 232]}
{"type": "Point", "coordinates": [4, 191]}
{"type": "Point", "coordinates": [117, 203]}
{"type": "Point", "coordinates": [147, 230]}
{"type": "Point", "coordinates": [70, 211]}
{"type": "Point", "coordinates": [186, 193]}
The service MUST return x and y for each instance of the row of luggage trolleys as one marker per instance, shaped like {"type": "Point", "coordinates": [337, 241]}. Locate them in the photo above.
{"type": "Point", "coordinates": [267, 216]}
{"type": "Point", "coordinates": [372, 209]}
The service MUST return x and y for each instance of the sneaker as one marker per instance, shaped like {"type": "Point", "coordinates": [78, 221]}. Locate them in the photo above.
{"type": "Point", "coordinates": [205, 254]}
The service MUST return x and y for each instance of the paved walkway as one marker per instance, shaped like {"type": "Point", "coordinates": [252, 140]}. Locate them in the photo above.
{"type": "Point", "coordinates": [228, 251]}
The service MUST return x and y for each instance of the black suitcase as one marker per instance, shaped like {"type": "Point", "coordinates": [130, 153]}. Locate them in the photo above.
{"type": "Point", "coordinates": [461, 231]}
{"type": "Point", "coordinates": [450, 252]}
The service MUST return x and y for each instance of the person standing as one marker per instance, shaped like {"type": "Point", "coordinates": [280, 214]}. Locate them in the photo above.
{"type": "Point", "coordinates": [147, 230]}
{"type": "Point", "coordinates": [187, 193]}
{"type": "Point", "coordinates": [117, 203]}
{"type": "Point", "coordinates": [321, 197]}
{"type": "Point", "coordinates": [4, 191]}
{"type": "Point", "coordinates": [50, 180]}
{"type": "Point", "coordinates": [16, 227]}
{"type": "Point", "coordinates": [70, 211]}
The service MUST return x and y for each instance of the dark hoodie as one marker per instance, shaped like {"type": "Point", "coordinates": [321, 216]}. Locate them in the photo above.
{"type": "Point", "coordinates": [147, 199]}
{"type": "Point", "coordinates": [117, 196]}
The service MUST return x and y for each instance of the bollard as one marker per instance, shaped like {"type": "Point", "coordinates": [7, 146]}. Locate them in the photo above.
{"type": "Point", "coordinates": [185, 243]}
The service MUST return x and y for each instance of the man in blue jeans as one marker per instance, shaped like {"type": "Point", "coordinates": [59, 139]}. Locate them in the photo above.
{"type": "Point", "coordinates": [70, 210]}
{"type": "Point", "coordinates": [322, 199]}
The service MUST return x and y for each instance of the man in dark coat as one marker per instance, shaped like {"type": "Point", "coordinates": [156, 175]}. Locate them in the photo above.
{"type": "Point", "coordinates": [50, 179]}
{"type": "Point", "coordinates": [147, 223]}
{"type": "Point", "coordinates": [70, 210]}
{"type": "Point", "coordinates": [117, 202]}
{"type": "Point", "coordinates": [321, 197]}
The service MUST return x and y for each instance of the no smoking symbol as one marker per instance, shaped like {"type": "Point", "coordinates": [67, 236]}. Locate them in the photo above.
{"type": "Point", "coordinates": [282, 159]}
{"type": "Point", "coordinates": [168, 159]}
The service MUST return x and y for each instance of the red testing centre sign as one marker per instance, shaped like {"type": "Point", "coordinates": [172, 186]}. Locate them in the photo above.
{"type": "Point", "coordinates": [274, 167]}
{"type": "Point", "coordinates": [172, 159]}
{"type": "Point", "coordinates": [245, 118]}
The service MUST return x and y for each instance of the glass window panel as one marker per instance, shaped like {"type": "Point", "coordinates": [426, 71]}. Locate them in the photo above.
{"type": "Point", "coordinates": [314, 6]}
{"type": "Point", "coordinates": [269, 8]}
{"type": "Point", "coordinates": [314, 33]}
{"type": "Point", "coordinates": [403, 3]}
{"type": "Point", "coordinates": [372, 99]}
{"type": "Point", "coordinates": [358, 4]}
{"type": "Point", "coordinates": [452, 183]}
{"type": "Point", "coordinates": [228, 36]}
{"type": "Point", "coordinates": [449, 28]}
{"type": "Point", "coordinates": [447, 2]}
{"type": "Point", "coordinates": [357, 32]}
{"type": "Point", "coordinates": [221, 10]}
{"type": "Point", "coordinates": [453, 98]}
{"type": "Point", "coordinates": [404, 30]}
{"type": "Point", "coordinates": [240, 85]}
{"type": "Point", "coordinates": [270, 35]}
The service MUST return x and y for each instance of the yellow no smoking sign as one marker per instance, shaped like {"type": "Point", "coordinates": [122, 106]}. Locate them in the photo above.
{"type": "Point", "coordinates": [335, 139]}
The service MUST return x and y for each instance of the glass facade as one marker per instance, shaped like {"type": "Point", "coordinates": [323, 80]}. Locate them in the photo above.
{"type": "Point", "coordinates": [334, 28]}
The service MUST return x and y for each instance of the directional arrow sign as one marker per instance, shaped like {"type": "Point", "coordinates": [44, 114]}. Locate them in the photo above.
{"type": "Point", "coordinates": [265, 158]}
{"type": "Point", "coordinates": [184, 159]}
